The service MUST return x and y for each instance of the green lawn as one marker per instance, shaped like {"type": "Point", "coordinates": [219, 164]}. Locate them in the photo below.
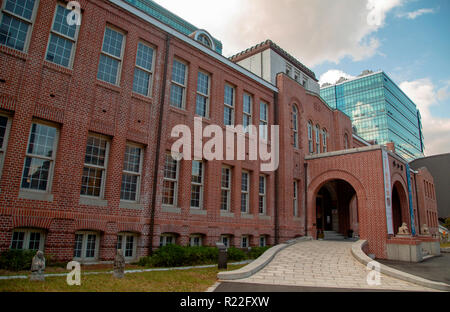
{"type": "Point", "coordinates": [193, 280]}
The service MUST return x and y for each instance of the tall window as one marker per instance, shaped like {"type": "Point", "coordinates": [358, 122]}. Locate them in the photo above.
{"type": "Point", "coordinates": [225, 201]}
{"type": "Point", "coordinates": [228, 110]}
{"type": "Point", "coordinates": [127, 243]}
{"type": "Point", "coordinates": [178, 86]}
{"type": "Point", "coordinates": [262, 194]}
{"type": "Point", "coordinates": [310, 138]}
{"type": "Point", "coordinates": [247, 116]}
{"type": "Point", "coordinates": [40, 157]}
{"type": "Point", "coordinates": [324, 140]}
{"type": "Point", "coordinates": [245, 240]}
{"type": "Point", "coordinates": [63, 37]}
{"type": "Point", "coordinates": [30, 239]}
{"type": "Point", "coordinates": [226, 240]}
{"type": "Point", "coordinates": [317, 139]}
{"type": "Point", "coordinates": [16, 23]}
{"type": "Point", "coordinates": [131, 174]}
{"type": "Point", "coordinates": [167, 239]}
{"type": "Point", "coordinates": [143, 72]}
{"type": "Point", "coordinates": [170, 184]}
{"type": "Point", "coordinates": [263, 120]}
{"type": "Point", "coordinates": [245, 187]}
{"type": "Point", "coordinates": [95, 163]}
{"type": "Point", "coordinates": [111, 56]}
{"type": "Point", "coordinates": [197, 185]}
{"type": "Point", "coordinates": [4, 134]}
{"type": "Point", "coordinates": [295, 204]}
{"type": "Point", "coordinates": [295, 125]}
{"type": "Point", "coordinates": [345, 141]}
{"type": "Point", "coordinates": [86, 246]}
{"type": "Point", "coordinates": [196, 240]}
{"type": "Point", "coordinates": [202, 102]}
{"type": "Point", "coordinates": [262, 241]}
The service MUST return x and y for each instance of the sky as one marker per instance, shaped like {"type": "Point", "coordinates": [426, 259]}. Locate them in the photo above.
{"type": "Point", "coordinates": [408, 39]}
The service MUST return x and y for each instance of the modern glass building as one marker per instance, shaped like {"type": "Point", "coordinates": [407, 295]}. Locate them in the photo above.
{"type": "Point", "coordinates": [379, 111]}
{"type": "Point", "coordinates": [170, 19]}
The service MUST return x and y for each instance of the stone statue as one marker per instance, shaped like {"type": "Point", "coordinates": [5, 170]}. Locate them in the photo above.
{"type": "Point", "coordinates": [38, 267]}
{"type": "Point", "coordinates": [403, 230]}
{"type": "Point", "coordinates": [425, 230]}
{"type": "Point", "coordinates": [119, 264]}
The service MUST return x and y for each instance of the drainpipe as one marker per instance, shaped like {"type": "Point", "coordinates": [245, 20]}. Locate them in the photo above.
{"type": "Point", "coordinates": [158, 143]}
{"type": "Point", "coordinates": [306, 198]}
{"type": "Point", "coordinates": [277, 178]}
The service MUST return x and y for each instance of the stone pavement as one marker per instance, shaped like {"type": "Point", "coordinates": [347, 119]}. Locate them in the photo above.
{"type": "Point", "coordinates": [322, 264]}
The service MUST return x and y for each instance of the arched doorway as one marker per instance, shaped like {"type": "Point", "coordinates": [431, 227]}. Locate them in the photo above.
{"type": "Point", "coordinates": [399, 206]}
{"type": "Point", "coordinates": [336, 210]}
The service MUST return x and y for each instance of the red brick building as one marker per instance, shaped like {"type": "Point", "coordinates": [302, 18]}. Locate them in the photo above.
{"type": "Point", "coordinates": [86, 115]}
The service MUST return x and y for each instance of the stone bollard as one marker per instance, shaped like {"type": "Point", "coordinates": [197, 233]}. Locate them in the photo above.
{"type": "Point", "coordinates": [223, 256]}
{"type": "Point", "coordinates": [38, 267]}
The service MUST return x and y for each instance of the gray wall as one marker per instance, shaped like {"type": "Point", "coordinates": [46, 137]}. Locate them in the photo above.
{"type": "Point", "coordinates": [439, 167]}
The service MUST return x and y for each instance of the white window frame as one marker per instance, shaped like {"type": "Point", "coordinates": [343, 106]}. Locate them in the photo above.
{"type": "Point", "coordinates": [200, 185]}
{"type": "Point", "coordinates": [175, 191]}
{"type": "Point", "coordinates": [183, 87]}
{"type": "Point", "coordinates": [138, 174]}
{"type": "Point", "coordinates": [123, 242]}
{"type": "Point", "coordinates": [228, 240]}
{"type": "Point", "coordinates": [163, 239]}
{"type": "Point", "coordinates": [247, 114]}
{"type": "Point", "coordinates": [74, 40]}
{"type": "Point", "coordinates": [245, 238]}
{"type": "Point", "coordinates": [192, 239]}
{"type": "Point", "coordinates": [150, 72]}
{"type": "Point", "coordinates": [227, 188]}
{"type": "Point", "coordinates": [30, 22]}
{"type": "Point", "coordinates": [119, 59]}
{"type": "Point", "coordinates": [51, 159]}
{"type": "Point", "coordinates": [4, 147]}
{"type": "Point", "coordinates": [262, 195]}
{"type": "Point", "coordinates": [207, 96]}
{"type": "Point", "coordinates": [26, 238]}
{"type": "Point", "coordinates": [263, 123]}
{"type": "Point", "coordinates": [104, 168]}
{"type": "Point", "coordinates": [295, 198]}
{"type": "Point", "coordinates": [317, 134]}
{"type": "Point", "coordinates": [346, 142]}
{"type": "Point", "coordinates": [83, 257]}
{"type": "Point", "coordinates": [263, 241]}
{"type": "Point", "coordinates": [310, 138]}
{"type": "Point", "coordinates": [245, 192]}
{"type": "Point", "coordinates": [295, 125]}
{"type": "Point", "coordinates": [231, 107]}
{"type": "Point", "coordinates": [324, 140]}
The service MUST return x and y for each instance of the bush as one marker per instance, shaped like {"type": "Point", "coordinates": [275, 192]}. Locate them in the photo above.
{"type": "Point", "coordinates": [16, 260]}
{"type": "Point", "coordinates": [255, 252]}
{"type": "Point", "coordinates": [235, 254]}
{"type": "Point", "coordinates": [447, 223]}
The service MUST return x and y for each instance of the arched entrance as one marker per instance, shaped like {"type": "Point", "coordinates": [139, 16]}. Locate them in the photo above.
{"type": "Point", "coordinates": [399, 206]}
{"type": "Point", "coordinates": [336, 210]}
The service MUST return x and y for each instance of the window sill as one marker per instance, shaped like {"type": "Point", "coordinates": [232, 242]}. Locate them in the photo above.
{"type": "Point", "coordinates": [141, 97]}
{"type": "Point", "coordinates": [227, 214]}
{"type": "Point", "coordinates": [178, 110]}
{"type": "Point", "coordinates": [25, 194]}
{"type": "Point", "coordinates": [194, 211]}
{"type": "Point", "coordinates": [93, 202]}
{"type": "Point", "coordinates": [297, 219]}
{"type": "Point", "coordinates": [246, 216]}
{"type": "Point", "coordinates": [59, 68]}
{"type": "Point", "coordinates": [109, 86]}
{"type": "Point", "coordinates": [130, 205]}
{"type": "Point", "coordinates": [264, 217]}
{"type": "Point", "coordinates": [171, 209]}
{"type": "Point", "coordinates": [13, 52]}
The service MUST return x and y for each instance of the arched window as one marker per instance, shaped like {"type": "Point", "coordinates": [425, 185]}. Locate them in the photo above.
{"type": "Point", "coordinates": [295, 125]}
{"type": "Point", "coordinates": [203, 39]}
{"type": "Point", "coordinates": [346, 141]}
{"type": "Point", "coordinates": [324, 140]}
{"type": "Point", "coordinates": [317, 139]}
{"type": "Point", "coordinates": [310, 138]}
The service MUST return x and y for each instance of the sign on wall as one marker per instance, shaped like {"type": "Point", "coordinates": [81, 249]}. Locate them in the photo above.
{"type": "Point", "coordinates": [411, 208]}
{"type": "Point", "coordinates": [387, 192]}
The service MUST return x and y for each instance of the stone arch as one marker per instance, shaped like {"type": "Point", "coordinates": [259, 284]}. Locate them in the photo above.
{"type": "Point", "coordinates": [321, 180]}
{"type": "Point", "coordinates": [400, 203]}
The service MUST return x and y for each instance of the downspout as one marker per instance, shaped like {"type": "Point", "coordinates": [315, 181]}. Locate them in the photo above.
{"type": "Point", "coordinates": [158, 143]}
{"type": "Point", "coordinates": [306, 198]}
{"type": "Point", "coordinates": [277, 178]}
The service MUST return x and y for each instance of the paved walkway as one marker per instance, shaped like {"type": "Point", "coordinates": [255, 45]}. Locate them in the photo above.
{"type": "Point", "coordinates": [322, 264]}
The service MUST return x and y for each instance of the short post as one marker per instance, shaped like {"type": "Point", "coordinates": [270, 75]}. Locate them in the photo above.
{"type": "Point", "coordinates": [223, 256]}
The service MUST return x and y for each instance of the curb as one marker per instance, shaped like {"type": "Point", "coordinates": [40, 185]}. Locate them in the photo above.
{"type": "Point", "coordinates": [359, 255]}
{"type": "Point", "coordinates": [260, 262]}
{"type": "Point", "coordinates": [445, 250]}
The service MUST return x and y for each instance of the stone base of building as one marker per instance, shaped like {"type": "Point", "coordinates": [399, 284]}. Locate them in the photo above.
{"type": "Point", "coordinates": [412, 249]}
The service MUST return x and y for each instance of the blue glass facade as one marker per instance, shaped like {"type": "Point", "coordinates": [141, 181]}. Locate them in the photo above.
{"type": "Point", "coordinates": [379, 111]}
{"type": "Point", "coordinates": [156, 11]}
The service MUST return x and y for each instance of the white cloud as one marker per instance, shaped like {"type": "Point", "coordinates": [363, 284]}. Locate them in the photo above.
{"type": "Point", "coordinates": [436, 129]}
{"type": "Point", "coordinates": [332, 76]}
{"type": "Point", "coordinates": [312, 31]}
{"type": "Point", "coordinates": [417, 13]}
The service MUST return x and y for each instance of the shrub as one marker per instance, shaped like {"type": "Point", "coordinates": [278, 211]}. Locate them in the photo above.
{"type": "Point", "coordinates": [16, 260]}
{"type": "Point", "coordinates": [255, 252]}
{"type": "Point", "coordinates": [235, 254]}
